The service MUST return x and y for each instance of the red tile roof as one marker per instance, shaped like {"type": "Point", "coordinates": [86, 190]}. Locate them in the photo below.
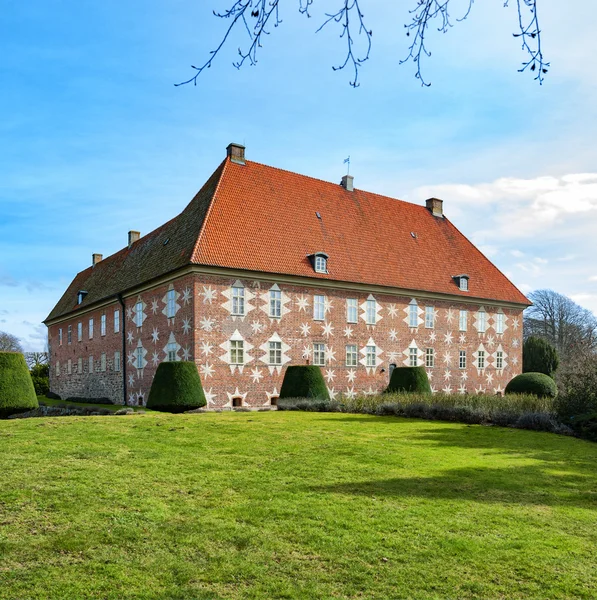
{"type": "Point", "coordinates": [262, 218]}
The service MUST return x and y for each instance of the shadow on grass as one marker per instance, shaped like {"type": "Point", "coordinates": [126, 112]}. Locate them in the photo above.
{"type": "Point", "coordinates": [530, 485]}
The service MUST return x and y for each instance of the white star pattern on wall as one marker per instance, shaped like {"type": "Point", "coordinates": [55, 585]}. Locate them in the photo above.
{"type": "Point", "coordinates": [351, 375]}
{"type": "Point", "coordinates": [302, 302]}
{"type": "Point", "coordinates": [447, 389]}
{"type": "Point", "coordinates": [257, 327]}
{"type": "Point", "coordinates": [490, 341]}
{"type": "Point", "coordinates": [227, 358]}
{"type": "Point", "coordinates": [330, 354]}
{"type": "Point", "coordinates": [248, 297]}
{"type": "Point", "coordinates": [132, 398]}
{"type": "Point", "coordinates": [489, 378]}
{"type": "Point", "coordinates": [447, 358]}
{"type": "Point", "coordinates": [464, 375]}
{"type": "Point", "coordinates": [350, 393]}
{"type": "Point", "coordinates": [206, 348]}
{"type": "Point", "coordinates": [256, 375]}
{"type": "Point", "coordinates": [393, 356]}
{"type": "Point", "coordinates": [432, 337]}
{"type": "Point", "coordinates": [515, 343]}
{"type": "Point", "coordinates": [273, 394]}
{"type": "Point", "coordinates": [430, 375]}
{"type": "Point", "coordinates": [462, 389]}
{"type": "Point", "coordinates": [129, 312]}
{"type": "Point", "coordinates": [186, 326]}
{"type": "Point", "coordinates": [130, 337]}
{"type": "Point", "coordinates": [209, 396]}
{"type": "Point", "coordinates": [327, 305]}
{"type": "Point", "coordinates": [515, 324]}
{"type": "Point", "coordinates": [327, 329]}
{"type": "Point", "coordinates": [207, 324]}
{"type": "Point", "coordinates": [332, 393]}
{"type": "Point", "coordinates": [155, 359]}
{"type": "Point", "coordinates": [392, 311]}
{"type": "Point", "coordinates": [447, 375]}
{"type": "Point", "coordinates": [306, 351]}
{"type": "Point", "coordinates": [348, 332]}
{"type": "Point", "coordinates": [450, 315]}
{"type": "Point", "coordinates": [186, 296]}
{"type": "Point", "coordinates": [448, 337]}
{"type": "Point", "coordinates": [462, 338]}
{"type": "Point", "coordinates": [154, 306]}
{"type": "Point", "coordinates": [155, 335]}
{"type": "Point", "coordinates": [329, 375]}
{"type": "Point", "coordinates": [515, 360]}
{"type": "Point", "coordinates": [393, 335]}
{"type": "Point", "coordinates": [209, 294]}
{"type": "Point", "coordinates": [305, 329]}
{"type": "Point", "coordinates": [207, 370]}
{"type": "Point", "coordinates": [131, 380]}
{"type": "Point", "coordinates": [370, 392]}
{"type": "Point", "coordinates": [186, 353]}
{"type": "Point", "coordinates": [498, 390]}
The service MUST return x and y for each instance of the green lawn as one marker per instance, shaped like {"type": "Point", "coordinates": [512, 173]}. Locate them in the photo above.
{"type": "Point", "coordinates": [292, 505]}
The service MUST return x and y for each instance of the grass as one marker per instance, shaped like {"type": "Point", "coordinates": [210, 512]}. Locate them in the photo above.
{"type": "Point", "coordinates": [293, 505]}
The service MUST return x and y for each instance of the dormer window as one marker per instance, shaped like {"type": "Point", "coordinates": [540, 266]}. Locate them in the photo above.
{"type": "Point", "coordinates": [462, 282]}
{"type": "Point", "coordinates": [81, 296]}
{"type": "Point", "coordinates": [319, 260]}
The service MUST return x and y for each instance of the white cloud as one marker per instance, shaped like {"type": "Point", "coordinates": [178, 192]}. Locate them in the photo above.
{"type": "Point", "coordinates": [593, 278]}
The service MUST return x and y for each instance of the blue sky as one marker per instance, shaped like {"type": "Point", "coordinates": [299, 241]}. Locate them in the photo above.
{"type": "Point", "coordinates": [96, 140]}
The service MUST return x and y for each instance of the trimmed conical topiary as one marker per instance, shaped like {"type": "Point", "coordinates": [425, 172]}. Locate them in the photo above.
{"type": "Point", "coordinates": [538, 384]}
{"type": "Point", "coordinates": [304, 381]}
{"type": "Point", "coordinates": [17, 393]}
{"type": "Point", "coordinates": [409, 379]}
{"type": "Point", "coordinates": [176, 387]}
{"type": "Point", "coordinates": [539, 356]}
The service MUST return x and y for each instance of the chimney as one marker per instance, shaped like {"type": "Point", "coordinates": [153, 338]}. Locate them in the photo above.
{"type": "Point", "coordinates": [347, 183]}
{"type": "Point", "coordinates": [236, 153]}
{"type": "Point", "coordinates": [133, 237]}
{"type": "Point", "coordinates": [95, 258]}
{"type": "Point", "coordinates": [435, 206]}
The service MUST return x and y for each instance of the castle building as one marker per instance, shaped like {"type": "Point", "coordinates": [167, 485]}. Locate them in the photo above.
{"type": "Point", "coordinates": [266, 268]}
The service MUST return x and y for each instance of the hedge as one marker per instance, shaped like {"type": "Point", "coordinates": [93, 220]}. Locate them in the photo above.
{"type": "Point", "coordinates": [539, 356]}
{"type": "Point", "coordinates": [176, 388]}
{"type": "Point", "coordinates": [539, 384]}
{"type": "Point", "coordinates": [304, 381]}
{"type": "Point", "coordinates": [17, 393]}
{"type": "Point", "coordinates": [409, 379]}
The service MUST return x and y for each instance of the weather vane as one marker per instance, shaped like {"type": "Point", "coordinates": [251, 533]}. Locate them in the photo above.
{"type": "Point", "coordinates": [347, 160]}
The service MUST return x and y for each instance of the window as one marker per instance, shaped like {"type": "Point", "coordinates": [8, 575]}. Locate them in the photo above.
{"type": "Point", "coordinates": [430, 357]}
{"type": "Point", "coordinates": [351, 355]}
{"type": "Point", "coordinates": [499, 360]}
{"type": "Point", "coordinates": [319, 354]}
{"type": "Point", "coordinates": [370, 312]}
{"type": "Point", "coordinates": [481, 359]}
{"type": "Point", "coordinates": [91, 364]}
{"type": "Point", "coordinates": [60, 337]}
{"type": "Point", "coordinates": [117, 361]}
{"type": "Point", "coordinates": [79, 331]}
{"type": "Point", "coordinates": [319, 308]}
{"type": "Point", "coordinates": [139, 358]}
{"type": "Point", "coordinates": [103, 325]}
{"type": "Point", "coordinates": [170, 303]}
{"type": "Point", "coordinates": [171, 348]}
{"type": "Point", "coordinates": [462, 359]}
{"type": "Point", "coordinates": [351, 310]}
{"type": "Point", "coordinates": [57, 368]}
{"type": "Point", "coordinates": [481, 321]}
{"type": "Point", "coordinates": [116, 321]}
{"type": "Point", "coordinates": [69, 367]}
{"type": "Point", "coordinates": [80, 366]}
{"type": "Point", "coordinates": [103, 361]}
{"type": "Point", "coordinates": [370, 356]}
{"type": "Point", "coordinates": [139, 314]}
{"type": "Point", "coordinates": [237, 352]}
{"type": "Point", "coordinates": [463, 320]}
{"type": "Point", "coordinates": [413, 316]}
{"type": "Point", "coordinates": [321, 264]}
{"type": "Point", "coordinates": [237, 402]}
{"type": "Point", "coordinates": [412, 357]}
{"type": "Point", "coordinates": [275, 303]}
{"type": "Point", "coordinates": [464, 284]}
{"type": "Point", "coordinates": [429, 317]}
{"type": "Point", "coordinates": [499, 323]}
{"type": "Point", "coordinates": [69, 334]}
{"type": "Point", "coordinates": [275, 353]}
{"type": "Point", "coordinates": [238, 300]}
{"type": "Point", "coordinates": [90, 329]}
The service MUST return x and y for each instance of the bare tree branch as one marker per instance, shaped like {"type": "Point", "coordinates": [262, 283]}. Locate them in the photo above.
{"type": "Point", "coordinates": [256, 16]}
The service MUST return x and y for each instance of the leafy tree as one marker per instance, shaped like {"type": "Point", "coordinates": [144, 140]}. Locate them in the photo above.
{"type": "Point", "coordinates": [34, 359]}
{"type": "Point", "coordinates": [9, 343]}
{"type": "Point", "coordinates": [256, 18]}
{"type": "Point", "coordinates": [539, 356]}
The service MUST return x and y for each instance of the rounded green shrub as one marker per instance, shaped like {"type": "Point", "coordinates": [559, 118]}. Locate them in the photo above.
{"type": "Point", "coordinates": [17, 393]}
{"type": "Point", "coordinates": [538, 384]}
{"type": "Point", "coordinates": [304, 381]}
{"type": "Point", "coordinates": [539, 356]}
{"type": "Point", "coordinates": [176, 388]}
{"type": "Point", "coordinates": [409, 379]}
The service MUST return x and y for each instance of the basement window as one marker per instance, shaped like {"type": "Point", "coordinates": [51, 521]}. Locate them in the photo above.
{"type": "Point", "coordinates": [237, 402]}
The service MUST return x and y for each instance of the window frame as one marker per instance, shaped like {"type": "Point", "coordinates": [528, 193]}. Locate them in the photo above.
{"type": "Point", "coordinates": [499, 359]}
{"type": "Point", "coordinates": [413, 316]}
{"type": "Point", "coordinates": [370, 311]}
{"type": "Point", "coordinates": [462, 359]}
{"type": "Point", "coordinates": [320, 263]}
{"type": "Point", "coordinates": [60, 336]}
{"type": "Point", "coordinates": [413, 357]}
{"type": "Point", "coordinates": [319, 354]}
{"type": "Point", "coordinates": [481, 359]}
{"type": "Point", "coordinates": [139, 357]}
{"type": "Point", "coordinates": [351, 355]}
{"type": "Point", "coordinates": [90, 328]}
{"type": "Point", "coordinates": [350, 307]}
{"type": "Point", "coordinates": [500, 322]}
{"type": "Point", "coordinates": [103, 324]}
{"type": "Point", "coordinates": [116, 320]}
{"type": "Point", "coordinates": [237, 352]}
{"type": "Point", "coordinates": [275, 353]}
{"type": "Point", "coordinates": [237, 297]}
{"type": "Point", "coordinates": [80, 331]}
{"type": "Point", "coordinates": [171, 351]}
{"type": "Point", "coordinates": [481, 321]}
{"type": "Point", "coordinates": [91, 364]}
{"type": "Point", "coordinates": [319, 307]}
{"type": "Point", "coordinates": [430, 317]}
{"type": "Point", "coordinates": [116, 361]}
{"type": "Point", "coordinates": [429, 358]}
{"type": "Point", "coordinates": [69, 335]}
{"type": "Point", "coordinates": [370, 356]}
{"type": "Point", "coordinates": [275, 304]}
{"type": "Point", "coordinates": [463, 317]}
{"type": "Point", "coordinates": [139, 314]}
{"type": "Point", "coordinates": [170, 304]}
{"type": "Point", "coordinates": [103, 362]}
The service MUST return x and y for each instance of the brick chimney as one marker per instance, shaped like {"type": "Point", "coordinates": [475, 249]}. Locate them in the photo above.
{"type": "Point", "coordinates": [435, 206]}
{"type": "Point", "coordinates": [133, 237]}
{"type": "Point", "coordinates": [95, 258]}
{"type": "Point", "coordinates": [236, 153]}
{"type": "Point", "coordinates": [347, 183]}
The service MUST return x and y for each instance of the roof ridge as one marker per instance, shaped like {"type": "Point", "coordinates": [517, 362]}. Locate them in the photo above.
{"type": "Point", "coordinates": [221, 166]}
